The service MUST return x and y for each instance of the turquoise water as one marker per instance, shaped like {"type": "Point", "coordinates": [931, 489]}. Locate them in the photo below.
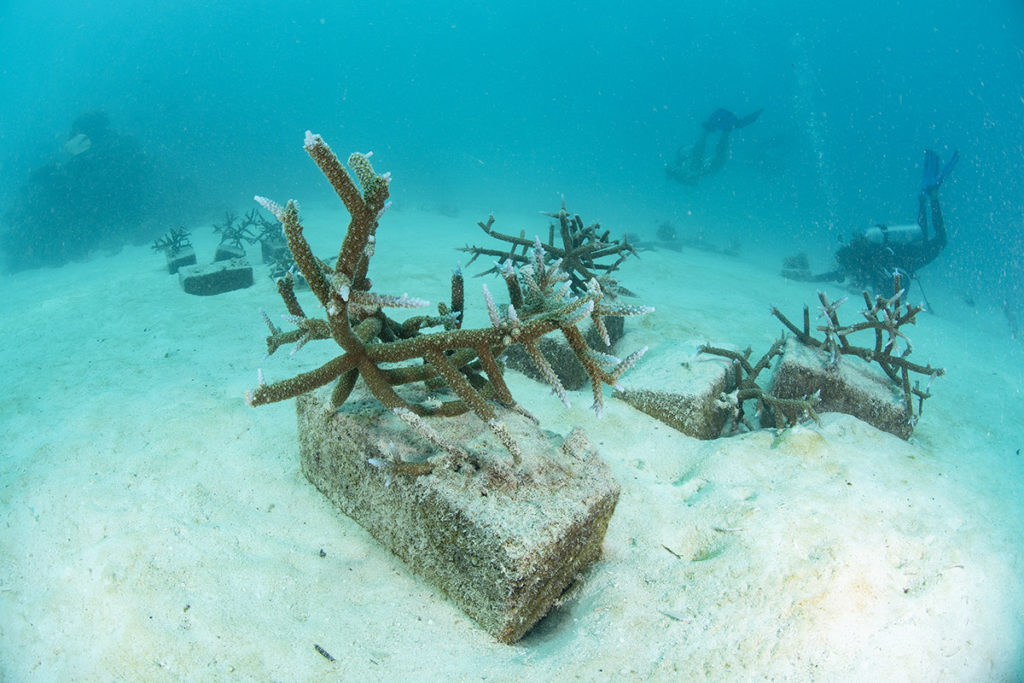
{"type": "Point", "coordinates": [488, 107]}
{"type": "Point", "coordinates": [476, 109]}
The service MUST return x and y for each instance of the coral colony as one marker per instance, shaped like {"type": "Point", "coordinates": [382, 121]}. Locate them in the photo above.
{"type": "Point", "coordinates": [787, 412]}
{"type": "Point", "coordinates": [886, 318]}
{"type": "Point", "coordinates": [579, 253]}
{"type": "Point", "coordinates": [175, 240]}
{"type": "Point", "coordinates": [387, 353]}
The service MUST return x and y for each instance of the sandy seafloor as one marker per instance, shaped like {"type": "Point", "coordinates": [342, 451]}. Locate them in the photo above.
{"type": "Point", "coordinates": [154, 527]}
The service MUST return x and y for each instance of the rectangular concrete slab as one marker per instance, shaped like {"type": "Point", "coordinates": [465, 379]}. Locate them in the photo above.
{"type": "Point", "coordinates": [852, 386]}
{"type": "Point", "coordinates": [681, 388]}
{"type": "Point", "coordinates": [186, 256]}
{"type": "Point", "coordinates": [216, 278]}
{"type": "Point", "coordinates": [502, 542]}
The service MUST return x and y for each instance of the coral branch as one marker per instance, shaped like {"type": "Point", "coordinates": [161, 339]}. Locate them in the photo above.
{"type": "Point", "coordinates": [786, 412]}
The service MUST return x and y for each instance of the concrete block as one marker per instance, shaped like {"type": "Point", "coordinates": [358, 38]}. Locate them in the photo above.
{"type": "Point", "coordinates": [216, 278]}
{"type": "Point", "coordinates": [853, 386]}
{"type": "Point", "coordinates": [681, 388]}
{"type": "Point", "coordinates": [274, 249]}
{"type": "Point", "coordinates": [186, 256]}
{"type": "Point", "coordinates": [228, 252]}
{"type": "Point", "coordinates": [503, 543]}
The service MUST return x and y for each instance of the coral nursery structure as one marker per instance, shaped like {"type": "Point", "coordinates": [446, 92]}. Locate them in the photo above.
{"type": "Point", "coordinates": [885, 318]}
{"type": "Point", "coordinates": [502, 539]}
{"type": "Point", "coordinates": [585, 255]}
{"type": "Point", "coordinates": [784, 411]}
{"type": "Point", "coordinates": [798, 395]}
{"type": "Point", "coordinates": [387, 353]}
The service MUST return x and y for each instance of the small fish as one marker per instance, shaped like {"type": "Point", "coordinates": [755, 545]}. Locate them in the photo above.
{"type": "Point", "coordinates": [325, 653]}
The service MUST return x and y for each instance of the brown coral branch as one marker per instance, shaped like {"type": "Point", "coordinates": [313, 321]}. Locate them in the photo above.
{"type": "Point", "coordinates": [786, 412]}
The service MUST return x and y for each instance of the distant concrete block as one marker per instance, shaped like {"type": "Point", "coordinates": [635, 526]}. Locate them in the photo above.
{"type": "Point", "coordinates": [503, 543]}
{"type": "Point", "coordinates": [186, 256]}
{"type": "Point", "coordinates": [561, 357]}
{"type": "Point", "coordinates": [274, 249]}
{"type": "Point", "coordinates": [216, 278]}
{"type": "Point", "coordinates": [680, 388]}
{"type": "Point", "coordinates": [228, 252]}
{"type": "Point", "coordinates": [853, 386]}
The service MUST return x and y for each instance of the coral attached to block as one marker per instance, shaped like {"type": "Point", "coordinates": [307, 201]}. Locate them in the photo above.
{"type": "Point", "coordinates": [783, 411]}
{"type": "Point", "coordinates": [387, 353]}
{"type": "Point", "coordinates": [885, 318]}
{"type": "Point", "coordinates": [175, 240]}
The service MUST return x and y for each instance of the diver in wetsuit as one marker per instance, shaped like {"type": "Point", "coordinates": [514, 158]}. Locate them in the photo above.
{"type": "Point", "coordinates": [872, 257]}
{"type": "Point", "coordinates": [690, 164]}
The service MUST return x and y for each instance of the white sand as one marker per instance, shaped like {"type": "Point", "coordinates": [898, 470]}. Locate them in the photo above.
{"type": "Point", "coordinates": [156, 528]}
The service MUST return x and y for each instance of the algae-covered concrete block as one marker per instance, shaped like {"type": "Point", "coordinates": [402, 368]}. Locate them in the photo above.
{"type": "Point", "coordinates": [216, 278]}
{"type": "Point", "coordinates": [681, 388]}
{"type": "Point", "coordinates": [502, 542]}
{"type": "Point", "coordinates": [853, 386]}
{"type": "Point", "coordinates": [562, 359]}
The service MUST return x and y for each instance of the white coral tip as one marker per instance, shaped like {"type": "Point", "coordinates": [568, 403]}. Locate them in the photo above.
{"type": "Point", "coordinates": [273, 207]}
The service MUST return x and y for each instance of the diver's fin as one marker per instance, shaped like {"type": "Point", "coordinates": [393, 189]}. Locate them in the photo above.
{"type": "Point", "coordinates": [948, 167]}
{"type": "Point", "coordinates": [722, 120]}
{"type": "Point", "coordinates": [932, 175]}
{"type": "Point", "coordinates": [748, 119]}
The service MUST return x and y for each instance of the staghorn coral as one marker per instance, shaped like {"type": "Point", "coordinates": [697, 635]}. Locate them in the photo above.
{"type": "Point", "coordinates": [579, 254]}
{"type": "Point", "coordinates": [235, 230]}
{"type": "Point", "coordinates": [176, 239]}
{"type": "Point", "coordinates": [786, 412]}
{"type": "Point", "coordinates": [885, 317]}
{"type": "Point", "coordinates": [386, 353]}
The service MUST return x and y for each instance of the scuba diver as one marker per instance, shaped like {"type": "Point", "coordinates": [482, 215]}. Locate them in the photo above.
{"type": "Point", "coordinates": [691, 165]}
{"type": "Point", "coordinates": [874, 256]}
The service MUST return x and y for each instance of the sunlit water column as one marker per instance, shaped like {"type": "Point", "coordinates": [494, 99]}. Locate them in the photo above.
{"type": "Point", "coordinates": [805, 99]}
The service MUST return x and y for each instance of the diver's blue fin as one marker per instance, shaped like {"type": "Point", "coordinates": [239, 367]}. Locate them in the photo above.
{"type": "Point", "coordinates": [932, 175]}
{"type": "Point", "coordinates": [723, 120]}
{"type": "Point", "coordinates": [948, 167]}
{"type": "Point", "coordinates": [748, 119]}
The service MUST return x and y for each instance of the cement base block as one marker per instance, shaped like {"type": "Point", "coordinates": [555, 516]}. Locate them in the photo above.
{"type": "Point", "coordinates": [228, 252]}
{"type": "Point", "coordinates": [216, 278]}
{"type": "Point", "coordinates": [563, 361]}
{"type": "Point", "coordinates": [680, 388]}
{"type": "Point", "coordinates": [186, 256]}
{"type": "Point", "coordinates": [274, 250]}
{"type": "Point", "coordinates": [503, 543]}
{"type": "Point", "coordinates": [853, 386]}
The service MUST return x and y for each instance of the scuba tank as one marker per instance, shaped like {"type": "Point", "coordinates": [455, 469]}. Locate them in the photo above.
{"type": "Point", "coordinates": [894, 234]}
